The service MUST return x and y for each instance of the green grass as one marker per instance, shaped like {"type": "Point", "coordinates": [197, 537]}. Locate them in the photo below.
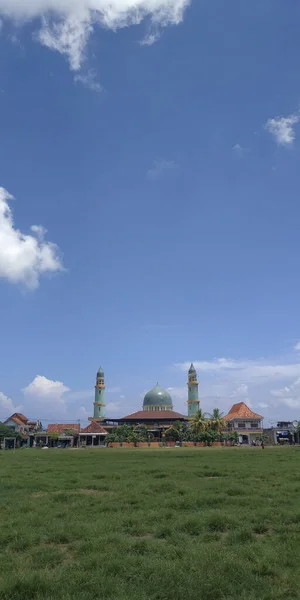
{"type": "Point", "coordinates": [134, 524]}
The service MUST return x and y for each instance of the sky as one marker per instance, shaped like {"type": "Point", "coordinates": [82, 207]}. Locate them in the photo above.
{"type": "Point", "coordinates": [149, 210]}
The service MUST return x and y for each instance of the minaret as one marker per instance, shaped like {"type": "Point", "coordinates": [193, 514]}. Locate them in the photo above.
{"type": "Point", "coordinates": [193, 400]}
{"type": "Point", "coordinates": [99, 404]}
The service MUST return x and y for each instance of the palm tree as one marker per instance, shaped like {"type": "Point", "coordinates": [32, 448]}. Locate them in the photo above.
{"type": "Point", "coordinates": [199, 422]}
{"type": "Point", "coordinates": [216, 421]}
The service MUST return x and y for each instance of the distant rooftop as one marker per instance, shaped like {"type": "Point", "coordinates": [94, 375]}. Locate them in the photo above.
{"type": "Point", "coordinates": [241, 411]}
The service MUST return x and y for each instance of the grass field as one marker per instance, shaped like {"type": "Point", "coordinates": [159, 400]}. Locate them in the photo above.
{"type": "Point", "coordinates": [133, 524]}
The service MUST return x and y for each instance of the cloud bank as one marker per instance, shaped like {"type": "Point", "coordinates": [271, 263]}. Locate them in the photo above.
{"type": "Point", "coordinates": [66, 25]}
{"type": "Point", "coordinates": [24, 257]}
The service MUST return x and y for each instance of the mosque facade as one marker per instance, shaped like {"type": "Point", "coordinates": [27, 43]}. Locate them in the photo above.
{"type": "Point", "coordinates": [157, 411]}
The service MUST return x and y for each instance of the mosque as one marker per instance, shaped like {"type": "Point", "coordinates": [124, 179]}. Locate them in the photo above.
{"type": "Point", "coordinates": [157, 411]}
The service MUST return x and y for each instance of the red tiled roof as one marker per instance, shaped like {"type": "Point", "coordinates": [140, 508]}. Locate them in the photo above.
{"type": "Point", "coordinates": [16, 420]}
{"type": "Point", "coordinates": [94, 428]}
{"type": "Point", "coordinates": [21, 417]}
{"type": "Point", "coordinates": [154, 415]}
{"type": "Point", "coordinates": [241, 411]}
{"type": "Point", "coordinates": [62, 427]}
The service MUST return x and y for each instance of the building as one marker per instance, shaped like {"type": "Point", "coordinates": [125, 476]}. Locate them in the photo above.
{"type": "Point", "coordinates": [285, 432]}
{"type": "Point", "coordinates": [93, 435]}
{"type": "Point", "coordinates": [157, 412]}
{"type": "Point", "coordinates": [245, 422]}
{"type": "Point", "coordinates": [66, 434]}
{"type": "Point", "coordinates": [20, 424]}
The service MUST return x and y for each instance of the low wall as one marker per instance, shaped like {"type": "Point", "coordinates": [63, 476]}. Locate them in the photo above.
{"type": "Point", "coordinates": [159, 444]}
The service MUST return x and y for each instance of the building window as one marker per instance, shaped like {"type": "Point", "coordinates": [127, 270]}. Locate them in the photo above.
{"type": "Point", "coordinates": [242, 425]}
{"type": "Point", "coordinates": [253, 425]}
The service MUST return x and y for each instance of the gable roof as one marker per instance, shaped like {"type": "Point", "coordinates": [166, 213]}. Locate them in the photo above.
{"type": "Point", "coordinates": [153, 415]}
{"type": "Point", "coordinates": [241, 411]}
{"type": "Point", "coordinates": [18, 418]}
{"type": "Point", "coordinates": [62, 427]}
{"type": "Point", "coordinates": [94, 428]}
{"type": "Point", "coordinates": [21, 417]}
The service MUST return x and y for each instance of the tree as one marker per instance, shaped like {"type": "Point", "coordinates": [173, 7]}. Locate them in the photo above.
{"type": "Point", "coordinates": [134, 437]}
{"type": "Point", "coordinates": [199, 422]}
{"type": "Point", "coordinates": [142, 431]}
{"type": "Point", "coordinates": [216, 421]}
{"type": "Point", "coordinates": [177, 431]}
{"type": "Point", "coordinates": [6, 432]}
{"type": "Point", "coordinates": [110, 438]}
{"type": "Point", "coordinates": [209, 436]}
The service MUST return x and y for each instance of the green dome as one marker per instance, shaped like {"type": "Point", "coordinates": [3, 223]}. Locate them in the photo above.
{"type": "Point", "coordinates": [192, 369]}
{"type": "Point", "coordinates": [157, 397]}
{"type": "Point", "coordinates": [100, 372]}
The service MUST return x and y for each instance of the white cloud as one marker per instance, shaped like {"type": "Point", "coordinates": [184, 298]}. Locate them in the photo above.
{"type": "Point", "coordinates": [7, 406]}
{"type": "Point", "coordinates": [150, 39]}
{"type": "Point", "coordinates": [89, 80]}
{"type": "Point", "coordinates": [112, 407]}
{"type": "Point", "coordinates": [82, 413]}
{"type": "Point", "coordinates": [291, 402]}
{"type": "Point", "coordinates": [68, 24]}
{"type": "Point", "coordinates": [44, 388]}
{"type": "Point", "coordinates": [287, 390]}
{"type": "Point", "coordinates": [262, 405]}
{"type": "Point", "coordinates": [297, 346]}
{"type": "Point", "coordinates": [283, 129]}
{"type": "Point", "coordinates": [24, 257]}
{"type": "Point", "coordinates": [160, 167]}
{"type": "Point", "coordinates": [247, 370]}
{"type": "Point", "coordinates": [242, 390]}
{"type": "Point", "coordinates": [238, 150]}
{"type": "Point", "coordinates": [114, 390]}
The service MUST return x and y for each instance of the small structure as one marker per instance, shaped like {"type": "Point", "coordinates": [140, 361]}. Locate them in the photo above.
{"type": "Point", "coordinates": [61, 434]}
{"type": "Point", "coordinates": [245, 422]}
{"type": "Point", "coordinates": [93, 435]}
{"type": "Point", "coordinates": [285, 432]}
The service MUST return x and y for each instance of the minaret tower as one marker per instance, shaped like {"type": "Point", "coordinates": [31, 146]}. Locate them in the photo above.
{"type": "Point", "coordinates": [193, 400]}
{"type": "Point", "coordinates": [99, 404]}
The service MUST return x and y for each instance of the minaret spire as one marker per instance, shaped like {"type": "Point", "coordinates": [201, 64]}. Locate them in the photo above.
{"type": "Point", "coordinates": [99, 404]}
{"type": "Point", "coordinates": [193, 399]}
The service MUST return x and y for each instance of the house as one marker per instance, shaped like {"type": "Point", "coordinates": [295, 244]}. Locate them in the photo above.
{"type": "Point", "coordinates": [65, 434]}
{"type": "Point", "coordinates": [245, 422]}
{"type": "Point", "coordinates": [20, 424]}
{"type": "Point", "coordinates": [93, 435]}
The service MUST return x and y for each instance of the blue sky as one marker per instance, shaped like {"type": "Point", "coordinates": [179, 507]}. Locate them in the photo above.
{"type": "Point", "coordinates": [154, 147]}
